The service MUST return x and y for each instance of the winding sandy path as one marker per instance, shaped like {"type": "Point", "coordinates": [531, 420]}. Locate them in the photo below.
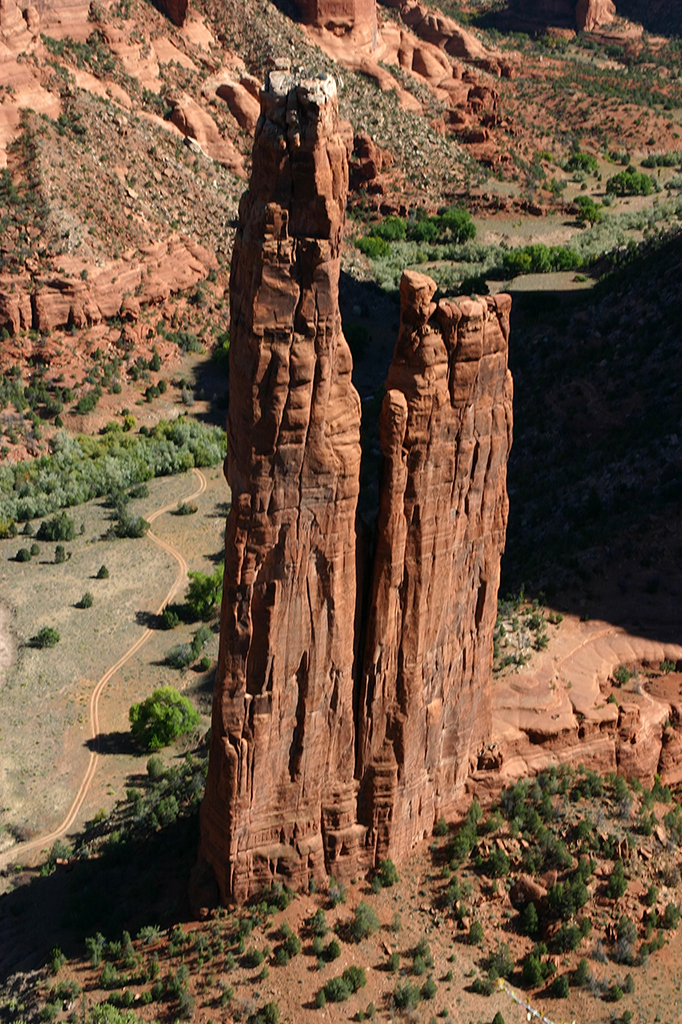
{"type": "Point", "coordinates": [49, 837]}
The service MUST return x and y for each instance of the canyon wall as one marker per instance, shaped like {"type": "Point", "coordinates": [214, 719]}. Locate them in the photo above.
{"type": "Point", "coordinates": [281, 796]}
{"type": "Point", "coordinates": [586, 15]}
{"type": "Point", "coordinates": [318, 767]}
{"type": "Point", "coordinates": [445, 429]}
{"type": "Point", "coordinates": [356, 19]}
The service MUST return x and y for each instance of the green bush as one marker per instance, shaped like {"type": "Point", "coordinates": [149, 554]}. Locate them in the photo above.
{"type": "Point", "coordinates": [582, 973]}
{"type": "Point", "coordinates": [560, 987]}
{"type": "Point", "coordinates": [46, 637]}
{"type": "Point", "coordinates": [22, 555]}
{"type": "Point", "coordinates": [630, 183]}
{"type": "Point", "coordinates": [388, 873]}
{"type": "Point", "coordinates": [441, 827]}
{"type": "Point", "coordinates": [102, 573]}
{"type": "Point", "coordinates": [373, 248]}
{"type": "Point", "coordinates": [332, 951]}
{"type": "Point", "coordinates": [393, 963]}
{"type": "Point", "coordinates": [529, 921]}
{"type": "Point", "coordinates": [476, 933]}
{"type": "Point", "coordinates": [365, 922]}
{"type": "Point", "coordinates": [406, 996]}
{"type": "Point", "coordinates": [59, 554]}
{"type": "Point", "coordinates": [582, 162]}
{"type": "Point", "coordinates": [86, 600]}
{"type": "Point", "coordinates": [429, 989]}
{"type": "Point", "coordinates": [355, 977]}
{"type": "Point", "coordinates": [618, 883]}
{"type": "Point", "coordinates": [671, 916]}
{"type": "Point", "coordinates": [337, 990]}
{"type": "Point", "coordinates": [161, 718]}
{"type": "Point", "coordinates": [392, 229]}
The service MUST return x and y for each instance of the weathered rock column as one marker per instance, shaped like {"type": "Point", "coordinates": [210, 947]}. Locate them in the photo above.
{"type": "Point", "coordinates": [280, 800]}
{"type": "Point", "coordinates": [445, 432]}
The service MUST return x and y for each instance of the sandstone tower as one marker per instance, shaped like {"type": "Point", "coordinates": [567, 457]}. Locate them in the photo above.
{"type": "Point", "coordinates": [320, 765]}
{"type": "Point", "coordinates": [281, 796]}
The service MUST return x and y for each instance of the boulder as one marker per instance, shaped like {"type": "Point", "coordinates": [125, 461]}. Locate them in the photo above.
{"type": "Point", "coordinates": [526, 890]}
{"type": "Point", "coordinates": [196, 123]}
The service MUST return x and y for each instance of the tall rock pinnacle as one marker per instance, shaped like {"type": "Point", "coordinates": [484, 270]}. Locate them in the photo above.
{"type": "Point", "coordinates": [445, 430]}
{"type": "Point", "coordinates": [281, 797]}
{"type": "Point", "coordinates": [320, 765]}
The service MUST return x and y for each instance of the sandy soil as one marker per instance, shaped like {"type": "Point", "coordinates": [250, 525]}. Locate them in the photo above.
{"type": "Point", "coordinates": [8, 650]}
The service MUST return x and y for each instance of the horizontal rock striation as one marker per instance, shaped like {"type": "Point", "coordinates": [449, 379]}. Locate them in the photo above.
{"type": "Point", "coordinates": [281, 797]}
{"type": "Point", "coordinates": [445, 431]}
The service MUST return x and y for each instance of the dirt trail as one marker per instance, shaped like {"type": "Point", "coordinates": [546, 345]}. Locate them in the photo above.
{"type": "Point", "coordinates": [45, 840]}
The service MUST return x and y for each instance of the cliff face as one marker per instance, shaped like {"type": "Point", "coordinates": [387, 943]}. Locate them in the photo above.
{"type": "Point", "coordinates": [445, 433]}
{"type": "Point", "coordinates": [315, 768]}
{"type": "Point", "coordinates": [355, 18]}
{"type": "Point", "coordinates": [280, 799]}
{"type": "Point", "coordinates": [586, 15]}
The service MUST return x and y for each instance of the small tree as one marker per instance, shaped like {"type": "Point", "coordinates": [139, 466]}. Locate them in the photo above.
{"type": "Point", "coordinates": [161, 718]}
{"type": "Point", "coordinates": [102, 573]}
{"type": "Point", "coordinates": [59, 554]}
{"type": "Point", "coordinates": [204, 592]}
{"type": "Point", "coordinates": [618, 883]}
{"type": "Point", "coordinates": [86, 600]}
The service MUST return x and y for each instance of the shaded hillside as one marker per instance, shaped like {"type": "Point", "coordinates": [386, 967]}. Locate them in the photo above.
{"type": "Point", "coordinates": [595, 475]}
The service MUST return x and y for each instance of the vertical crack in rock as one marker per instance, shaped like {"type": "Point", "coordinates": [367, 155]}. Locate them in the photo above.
{"type": "Point", "coordinates": [281, 797]}
{"type": "Point", "coordinates": [445, 433]}
{"type": "Point", "coordinates": [310, 775]}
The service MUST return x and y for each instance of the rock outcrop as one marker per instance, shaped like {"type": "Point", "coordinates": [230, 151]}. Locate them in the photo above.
{"type": "Point", "coordinates": [79, 295]}
{"type": "Point", "coordinates": [445, 430]}
{"type": "Point", "coordinates": [592, 14]}
{"type": "Point", "coordinates": [281, 796]}
{"type": "Point", "coordinates": [356, 19]}
{"type": "Point", "coordinates": [317, 767]}
{"type": "Point", "coordinates": [586, 15]}
{"type": "Point", "coordinates": [175, 10]}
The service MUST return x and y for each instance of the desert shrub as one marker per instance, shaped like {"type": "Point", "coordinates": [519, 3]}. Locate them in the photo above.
{"type": "Point", "coordinates": [393, 962]}
{"type": "Point", "coordinates": [406, 996]}
{"type": "Point", "coordinates": [253, 957]}
{"type": "Point", "coordinates": [35, 550]}
{"type": "Point", "coordinates": [365, 922]}
{"type": "Point", "coordinates": [588, 210]}
{"type": "Point", "coordinates": [387, 873]}
{"type": "Point", "coordinates": [429, 989]}
{"type": "Point", "coordinates": [337, 990]}
{"type": "Point", "coordinates": [46, 637]}
{"type": "Point", "coordinates": [169, 618]}
{"type": "Point", "coordinates": [529, 921]}
{"type": "Point", "coordinates": [161, 718]}
{"type": "Point", "coordinates": [560, 987]}
{"type": "Point", "coordinates": [95, 946]}
{"type": "Point", "coordinates": [320, 999]}
{"type": "Point", "coordinates": [59, 554]}
{"type": "Point", "coordinates": [102, 573]}
{"type": "Point", "coordinates": [355, 977]}
{"type": "Point", "coordinates": [539, 259]}
{"type": "Point", "coordinates": [59, 527]}
{"type": "Point", "coordinates": [497, 864]}
{"type": "Point", "coordinates": [180, 656]}
{"type": "Point", "coordinates": [671, 916]}
{"type": "Point", "coordinates": [498, 1018]}
{"type": "Point", "coordinates": [579, 161]}
{"type": "Point", "coordinates": [129, 527]}
{"type": "Point", "coordinates": [332, 951]}
{"type": "Point", "coordinates": [582, 973]}
{"type": "Point", "coordinates": [186, 509]}
{"type": "Point", "coordinates": [22, 555]}
{"type": "Point", "coordinates": [391, 229]}
{"type": "Point", "coordinates": [86, 600]}
{"type": "Point", "coordinates": [337, 892]}
{"type": "Point", "coordinates": [476, 933]}
{"type": "Point", "coordinates": [618, 883]}
{"type": "Point", "coordinates": [501, 961]}
{"type": "Point", "coordinates": [56, 960]}
{"type": "Point", "coordinates": [418, 966]}
{"type": "Point", "coordinates": [318, 923]}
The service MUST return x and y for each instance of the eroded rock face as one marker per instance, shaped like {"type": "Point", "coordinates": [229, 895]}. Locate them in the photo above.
{"type": "Point", "coordinates": [175, 10]}
{"type": "Point", "coordinates": [586, 15]}
{"type": "Point", "coordinates": [281, 796]}
{"type": "Point", "coordinates": [354, 18]}
{"type": "Point", "coordinates": [445, 430]}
